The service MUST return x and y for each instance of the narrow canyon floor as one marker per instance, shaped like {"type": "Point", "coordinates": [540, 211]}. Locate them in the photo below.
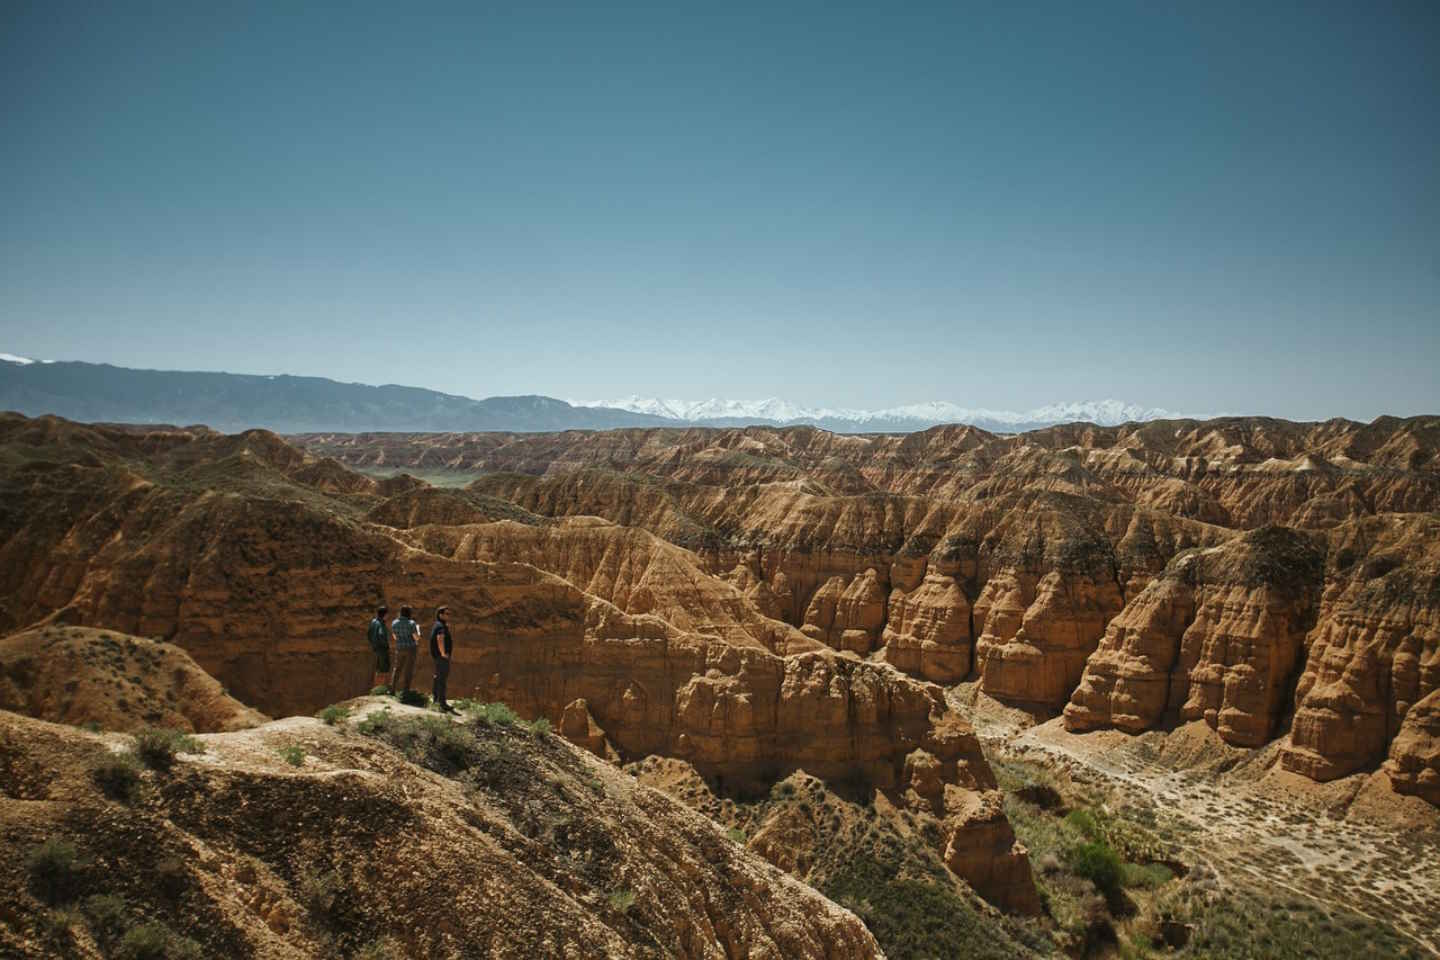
{"type": "Point", "coordinates": [1349, 856]}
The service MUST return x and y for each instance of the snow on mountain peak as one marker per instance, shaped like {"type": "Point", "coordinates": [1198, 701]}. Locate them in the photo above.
{"type": "Point", "coordinates": [915, 416]}
{"type": "Point", "coordinates": [11, 358]}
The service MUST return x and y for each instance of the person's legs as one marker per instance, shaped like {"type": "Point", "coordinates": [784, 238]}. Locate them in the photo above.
{"type": "Point", "coordinates": [404, 671]}
{"type": "Point", "coordinates": [381, 673]}
{"type": "Point", "coordinates": [442, 674]}
{"type": "Point", "coordinates": [409, 668]}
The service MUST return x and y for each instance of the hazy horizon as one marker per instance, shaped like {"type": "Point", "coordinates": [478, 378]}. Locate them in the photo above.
{"type": "Point", "coordinates": [1217, 209]}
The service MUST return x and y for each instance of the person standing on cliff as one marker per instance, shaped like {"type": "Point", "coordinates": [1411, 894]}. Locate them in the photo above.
{"type": "Point", "coordinates": [440, 650]}
{"type": "Point", "coordinates": [406, 634]}
{"type": "Point", "coordinates": [379, 640]}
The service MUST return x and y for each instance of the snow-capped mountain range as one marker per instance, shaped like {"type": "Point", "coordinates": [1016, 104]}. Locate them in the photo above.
{"type": "Point", "coordinates": [915, 416]}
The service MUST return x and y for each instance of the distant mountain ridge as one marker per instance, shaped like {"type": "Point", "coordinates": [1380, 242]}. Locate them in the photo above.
{"type": "Point", "coordinates": [98, 392]}
{"type": "Point", "coordinates": [910, 417]}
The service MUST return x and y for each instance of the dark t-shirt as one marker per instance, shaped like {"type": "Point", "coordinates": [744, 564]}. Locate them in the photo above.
{"type": "Point", "coordinates": [435, 632]}
{"type": "Point", "coordinates": [377, 636]}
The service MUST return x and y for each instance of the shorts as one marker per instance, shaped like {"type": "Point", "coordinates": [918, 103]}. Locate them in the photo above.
{"type": "Point", "coordinates": [382, 659]}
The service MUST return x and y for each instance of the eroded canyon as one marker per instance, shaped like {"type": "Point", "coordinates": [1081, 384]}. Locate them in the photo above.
{"type": "Point", "coordinates": [761, 605]}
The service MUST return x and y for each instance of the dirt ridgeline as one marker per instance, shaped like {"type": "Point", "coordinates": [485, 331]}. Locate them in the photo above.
{"type": "Point", "coordinates": [414, 836]}
{"type": "Point", "coordinates": [80, 675]}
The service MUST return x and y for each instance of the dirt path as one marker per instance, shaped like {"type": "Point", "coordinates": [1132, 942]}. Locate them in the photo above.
{"type": "Point", "coordinates": [1250, 833]}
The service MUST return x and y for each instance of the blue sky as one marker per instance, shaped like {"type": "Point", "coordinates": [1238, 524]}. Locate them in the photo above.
{"type": "Point", "coordinates": [1204, 207]}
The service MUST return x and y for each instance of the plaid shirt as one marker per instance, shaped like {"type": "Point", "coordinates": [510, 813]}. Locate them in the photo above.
{"type": "Point", "coordinates": [406, 633]}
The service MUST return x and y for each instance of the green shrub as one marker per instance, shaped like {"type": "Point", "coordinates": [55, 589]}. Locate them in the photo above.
{"type": "Point", "coordinates": [105, 914]}
{"type": "Point", "coordinates": [496, 714]}
{"type": "Point", "coordinates": [376, 724]}
{"type": "Point", "coordinates": [736, 834]}
{"type": "Point", "coordinates": [540, 726]}
{"type": "Point", "coordinates": [621, 901]}
{"type": "Point", "coordinates": [52, 867]}
{"type": "Point", "coordinates": [1145, 876]}
{"type": "Point", "coordinates": [379, 691]}
{"type": "Point", "coordinates": [56, 924]}
{"type": "Point", "coordinates": [157, 746]}
{"type": "Point", "coordinates": [118, 776]}
{"type": "Point", "coordinates": [293, 755]}
{"type": "Point", "coordinates": [383, 949]}
{"type": "Point", "coordinates": [334, 714]}
{"type": "Point", "coordinates": [1100, 865]}
{"type": "Point", "coordinates": [149, 941]}
{"type": "Point", "coordinates": [1085, 822]}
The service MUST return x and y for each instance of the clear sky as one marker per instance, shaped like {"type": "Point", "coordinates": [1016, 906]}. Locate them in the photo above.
{"type": "Point", "coordinates": [1201, 206]}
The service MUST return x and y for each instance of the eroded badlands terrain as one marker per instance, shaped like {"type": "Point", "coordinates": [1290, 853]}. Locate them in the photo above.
{"type": "Point", "coordinates": [798, 635]}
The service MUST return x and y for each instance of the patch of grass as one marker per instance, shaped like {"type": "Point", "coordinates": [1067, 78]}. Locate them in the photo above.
{"type": "Point", "coordinates": [376, 723]}
{"type": "Point", "coordinates": [157, 746]}
{"type": "Point", "coordinates": [53, 867]}
{"type": "Point", "coordinates": [435, 743]}
{"type": "Point", "coordinates": [334, 714]}
{"type": "Point", "coordinates": [105, 914]}
{"type": "Point", "coordinates": [293, 755]}
{"type": "Point", "coordinates": [56, 924]}
{"type": "Point", "coordinates": [1085, 822]}
{"type": "Point", "coordinates": [118, 776]}
{"type": "Point", "coordinates": [1245, 924]}
{"type": "Point", "coordinates": [1100, 865]}
{"type": "Point", "coordinates": [380, 691]}
{"type": "Point", "coordinates": [621, 901]}
{"type": "Point", "coordinates": [384, 948]}
{"type": "Point", "coordinates": [540, 726]}
{"type": "Point", "coordinates": [496, 714]}
{"type": "Point", "coordinates": [914, 917]}
{"type": "Point", "coordinates": [148, 941]}
{"type": "Point", "coordinates": [1145, 876]}
{"type": "Point", "coordinates": [736, 835]}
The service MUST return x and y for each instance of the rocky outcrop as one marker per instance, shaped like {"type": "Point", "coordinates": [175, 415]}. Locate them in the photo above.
{"type": "Point", "coordinates": [1375, 651]}
{"type": "Point", "coordinates": [1414, 764]}
{"type": "Point", "coordinates": [1038, 634]}
{"type": "Point", "coordinates": [541, 851]}
{"type": "Point", "coordinates": [927, 632]}
{"type": "Point", "coordinates": [82, 676]}
{"type": "Point", "coordinates": [1217, 637]}
{"type": "Point", "coordinates": [847, 616]}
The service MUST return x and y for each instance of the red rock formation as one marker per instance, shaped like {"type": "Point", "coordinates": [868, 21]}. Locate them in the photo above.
{"type": "Point", "coordinates": [1414, 764]}
{"type": "Point", "coordinates": [847, 616]}
{"type": "Point", "coordinates": [1375, 651]}
{"type": "Point", "coordinates": [1217, 637]}
{"type": "Point", "coordinates": [928, 630]}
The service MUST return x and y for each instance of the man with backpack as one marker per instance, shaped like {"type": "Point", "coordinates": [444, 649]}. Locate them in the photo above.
{"type": "Point", "coordinates": [406, 634]}
{"type": "Point", "coordinates": [379, 640]}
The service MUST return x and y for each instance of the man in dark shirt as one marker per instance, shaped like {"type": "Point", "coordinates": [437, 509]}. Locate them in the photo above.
{"type": "Point", "coordinates": [379, 639]}
{"type": "Point", "coordinates": [440, 650]}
